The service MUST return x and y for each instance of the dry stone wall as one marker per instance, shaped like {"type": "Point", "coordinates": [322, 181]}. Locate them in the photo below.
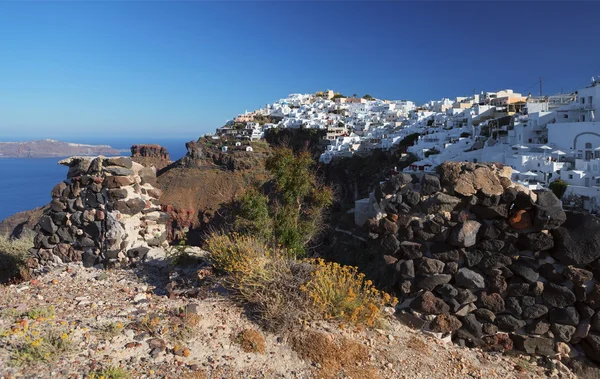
{"type": "Point", "coordinates": [474, 255]}
{"type": "Point", "coordinates": [105, 212]}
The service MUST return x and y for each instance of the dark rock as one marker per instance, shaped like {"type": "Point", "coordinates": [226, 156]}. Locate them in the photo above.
{"type": "Point", "coordinates": [445, 324]}
{"type": "Point", "coordinates": [388, 227]}
{"type": "Point", "coordinates": [558, 296]}
{"type": "Point", "coordinates": [580, 293]}
{"type": "Point", "coordinates": [423, 236]}
{"type": "Point", "coordinates": [578, 275]}
{"type": "Point", "coordinates": [537, 289]}
{"type": "Point", "coordinates": [454, 305]}
{"type": "Point", "coordinates": [595, 322]}
{"type": "Point", "coordinates": [539, 327]}
{"type": "Point", "coordinates": [548, 271]}
{"type": "Point", "coordinates": [465, 296]}
{"type": "Point", "coordinates": [406, 287]}
{"type": "Point", "coordinates": [394, 184]}
{"type": "Point", "coordinates": [489, 329]}
{"type": "Point", "coordinates": [411, 198]}
{"type": "Point", "coordinates": [535, 241]}
{"type": "Point", "coordinates": [527, 273]}
{"type": "Point", "coordinates": [430, 184]}
{"type": "Point", "coordinates": [548, 211]}
{"type": "Point", "coordinates": [534, 311]}
{"type": "Point", "coordinates": [406, 269]}
{"type": "Point", "coordinates": [485, 314]}
{"type": "Point", "coordinates": [527, 301]}
{"type": "Point", "coordinates": [473, 257]}
{"type": "Point", "coordinates": [447, 256]}
{"type": "Point", "coordinates": [567, 316]}
{"type": "Point", "coordinates": [524, 201]}
{"type": "Point", "coordinates": [578, 243]}
{"type": "Point", "coordinates": [467, 278]}
{"type": "Point", "coordinates": [65, 234]}
{"type": "Point", "coordinates": [585, 312]}
{"type": "Point", "coordinates": [496, 281]}
{"type": "Point", "coordinates": [428, 303]}
{"type": "Point", "coordinates": [468, 338]}
{"type": "Point", "coordinates": [389, 244]}
{"type": "Point", "coordinates": [534, 345]}
{"type": "Point", "coordinates": [93, 229]}
{"type": "Point", "coordinates": [593, 299]}
{"type": "Point", "coordinates": [112, 182]}
{"type": "Point", "coordinates": [491, 245]}
{"type": "Point", "coordinates": [451, 268]}
{"type": "Point", "coordinates": [428, 283]}
{"type": "Point", "coordinates": [429, 266]}
{"type": "Point", "coordinates": [46, 223]}
{"type": "Point", "coordinates": [470, 324]}
{"type": "Point", "coordinates": [493, 302]}
{"type": "Point", "coordinates": [488, 232]}
{"type": "Point", "coordinates": [509, 323]}
{"type": "Point", "coordinates": [464, 234]}
{"type": "Point", "coordinates": [492, 261]}
{"type": "Point", "coordinates": [57, 206]}
{"type": "Point", "coordinates": [513, 307]}
{"type": "Point", "coordinates": [562, 333]}
{"type": "Point", "coordinates": [490, 212]}
{"type": "Point", "coordinates": [591, 346]}
{"type": "Point", "coordinates": [88, 258]}
{"type": "Point", "coordinates": [410, 250]}
{"type": "Point", "coordinates": [410, 320]}
{"type": "Point", "coordinates": [406, 233]}
{"type": "Point", "coordinates": [446, 290]}
{"type": "Point", "coordinates": [59, 218]}
{"type": "Point", "coordinates": [509, 195]}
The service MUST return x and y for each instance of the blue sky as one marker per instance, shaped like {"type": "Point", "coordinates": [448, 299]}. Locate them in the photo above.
{"type": "Point", "coordinates": [180, 69]}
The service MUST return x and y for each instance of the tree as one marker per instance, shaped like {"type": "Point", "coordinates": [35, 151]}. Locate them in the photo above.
{"type": "Point", "coordinates": [290, 214]}
{"type": "Point", "coordinates": [559, 187]}
{"type": "Point", "coordinates": [368, 97]}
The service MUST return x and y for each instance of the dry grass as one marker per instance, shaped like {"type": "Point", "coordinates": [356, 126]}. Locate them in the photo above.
{"type": "Point", "coordinates": [416, 343]}
{"type": "Point", "coordinates": [13, 258]}
{"type": "Point", "coordinates": [334, 358]}
{"type": "Point", "coordinates": [110, 372]}
{"type": "Point", "coordinates": [33, 347]}
{"type": "Point", "coordinates": [251, 341]}
{"type": "Point", "coordinates": [264, 279]}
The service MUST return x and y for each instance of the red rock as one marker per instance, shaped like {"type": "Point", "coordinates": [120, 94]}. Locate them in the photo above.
{"type": "Point", "coordinates": [521, 220]}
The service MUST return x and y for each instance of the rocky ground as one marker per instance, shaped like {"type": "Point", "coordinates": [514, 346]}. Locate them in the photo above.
{"type": "Point", "coordinates": [76, 322]}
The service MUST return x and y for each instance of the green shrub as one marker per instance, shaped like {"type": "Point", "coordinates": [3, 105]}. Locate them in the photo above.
{"type": "Point", "coordinates": [559, 187]}
{"type": "Point", "coordinates": [13, 257]}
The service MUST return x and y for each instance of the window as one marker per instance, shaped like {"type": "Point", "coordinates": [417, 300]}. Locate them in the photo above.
{"type": "Point", "coordinates": [566, 115]}
{"type": "Point", "coordinates": [582, 118]}
{"type": "Point", "coordinates": [570, 176]}
{"type": "Point", "coordinates": [583, 100]}
{"type": "Point", "coordinates": [588, 145]}
{"type": "Point", "coordinates": [538, 165]}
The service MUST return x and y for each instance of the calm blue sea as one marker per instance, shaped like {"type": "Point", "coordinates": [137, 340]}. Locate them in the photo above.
{"type": "Point", "coordinates": [26, 183]}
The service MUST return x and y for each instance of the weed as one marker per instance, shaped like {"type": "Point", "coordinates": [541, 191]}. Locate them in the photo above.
{"type": "Point", "coordinates": [34, 348]}
{"type": "Point", "coordinates": [111, 329]}
{"type": "Point", "coordinates": [149, 323]}
{"type": "Point", "coordinates": [13, 258]}
{"type": "Point", "coordinates": [111, 372]}
{"type": "Point", "coordinates": [251, 341]}
{"type": "Point", "coordinates": [341, 292]}
{"type": "Point", "coordinates": [182, 326]}
{"type": "Point", "coordinates": [40, 313]}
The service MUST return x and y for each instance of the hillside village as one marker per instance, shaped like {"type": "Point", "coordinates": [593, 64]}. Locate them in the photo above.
{"type": "Point", "coordinates": [543, 138]}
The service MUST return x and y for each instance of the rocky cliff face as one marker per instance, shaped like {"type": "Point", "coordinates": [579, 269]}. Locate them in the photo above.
{"type": "Point", "coordinates": [107, 211]}
{"type": "Point", "coordinates": [150, 155]}
{"type": "Point", "coordinates": [474, 255]}
{"type": "Point", "coordinates": [21, 224]}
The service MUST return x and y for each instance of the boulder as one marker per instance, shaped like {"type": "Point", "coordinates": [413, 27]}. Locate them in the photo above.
{"type": "Point", "coordinates": [429, 266]}
{"type": "Point", "coordinates": [525, 272]}
{"type": "Point", "coordinates": [406, 269]}
{"type": "Point", "coordinates": [562, 332]}
{"type": "Point", "coordinates": [468, 178]}
{"type": "Point", "coordinates": [577, 275]}
{"type": "Point", "coordinates": [118, 171]}
{"type": "Point", "coordinates": [410, 250]}
{"type": "Point", "coordinates": [521, 220]}
{"type": "Point", "coordinates": [491, 212]}
{"type": "Point", "coordinates": [535, 241]}
{"type": "Point", "coordinates": [534, 311]}
{"type": "Point", "coordinates": [464, 234]}
{"type": "Point", "coordinates": [566, 316]}
{"type": "Point", "coordinates": [534, 345]}
{"type": "Point", "coordinates": [493, 302]}
{"type": "Point", "coordinates": [548, 211]}
{"type": "Point", "coordinates": [47, 225]}
{"type": "Point", "coordinates": [470, 324]}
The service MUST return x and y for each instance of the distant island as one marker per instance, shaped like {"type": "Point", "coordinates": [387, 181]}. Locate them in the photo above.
{"type": "Point", "coordinates": [51, 148]}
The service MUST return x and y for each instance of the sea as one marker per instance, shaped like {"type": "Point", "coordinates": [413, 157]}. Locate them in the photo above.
{"type": "Point", "coordinates": [26, 183]}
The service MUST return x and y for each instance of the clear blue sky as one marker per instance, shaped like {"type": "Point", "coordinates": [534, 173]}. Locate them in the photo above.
{"type": "Point", "coordinates": [180, 69]}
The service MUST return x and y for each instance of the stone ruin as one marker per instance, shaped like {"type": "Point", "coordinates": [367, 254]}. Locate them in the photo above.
{"type": "Point", "coordinates": [106, 212]}
{"type": "Point", "coordinates": [473, 255]}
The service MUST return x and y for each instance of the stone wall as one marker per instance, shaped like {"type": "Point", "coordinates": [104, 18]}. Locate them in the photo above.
{"type": "Point", "coordinates": [476, 256]}
{"type": "Point", "coordinates": [106, 211]}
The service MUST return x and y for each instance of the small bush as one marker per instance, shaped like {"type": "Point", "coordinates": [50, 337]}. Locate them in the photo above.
{"type": "Point", "coordinates": [341, 292]}
{"type": "Point", "coordinates": [559, 187]}
{"type": "Point", "coordinates": [111, 329]}
{"type": "Point", "coordinates": [264, 278]}
{"type": "Point", "coordinates": [111, 372]}
{"type": "Point", "coordinates": [13, 257]}
{"type": "Point", "coordinates": [33, 348]}
{"type": "Point", "coordinates": [41, 312]}
{"type": "Point", "coordinates": [251, 341]}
